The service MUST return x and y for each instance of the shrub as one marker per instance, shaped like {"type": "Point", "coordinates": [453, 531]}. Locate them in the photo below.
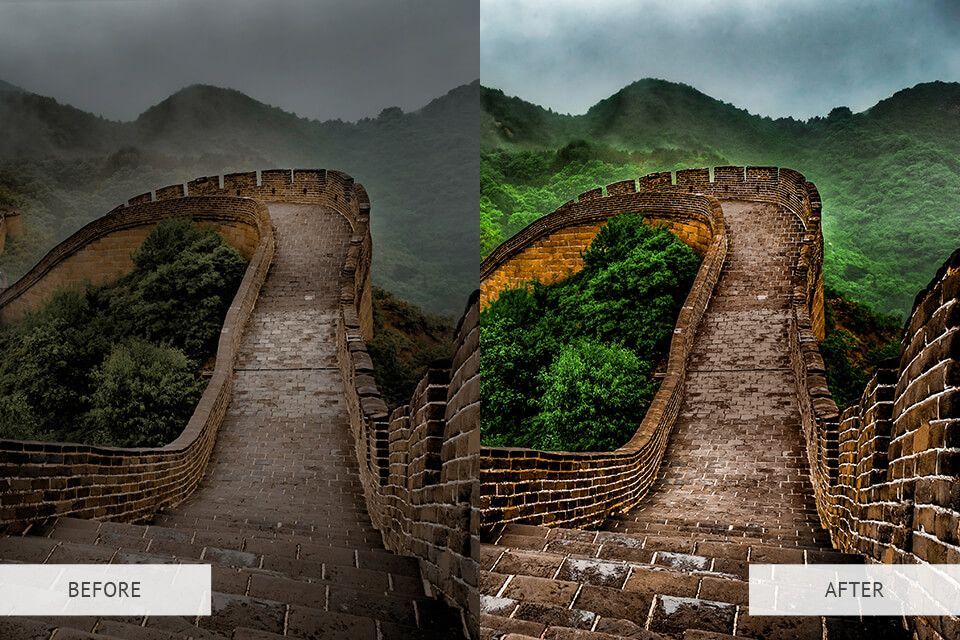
{"type": "Point", "coordinates": [60, 367]}
{"type": "Point", "coordinates": [593, 394]}
{"type": "Point", "coordinates": [144, 396]}
{"type": "Point", "coordinates": [620, 308]}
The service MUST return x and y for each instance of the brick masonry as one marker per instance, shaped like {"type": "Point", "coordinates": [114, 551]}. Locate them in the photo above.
{"type": "Point", "coordinates": [881, 480]}
{"type": "Point", "coordinates": [415, 471]}
{"type": "Point", "coordinates": [887, 471]}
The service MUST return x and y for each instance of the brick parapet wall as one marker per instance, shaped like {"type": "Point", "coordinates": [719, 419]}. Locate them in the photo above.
{"type": "Point", "coordinates": [419, 464]}
{"type": "Point", "coordinates": [893, 493]}
{"type": "Point", "coordinates": [39, 480]}
{"type": "Point", "coordinates": [582, 489]}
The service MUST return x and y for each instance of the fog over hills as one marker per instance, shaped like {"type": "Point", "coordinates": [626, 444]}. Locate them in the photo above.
{"type": "Point", "coordinates": [889, 175]}
{"type": "Point", "coordinates": [66, 167]}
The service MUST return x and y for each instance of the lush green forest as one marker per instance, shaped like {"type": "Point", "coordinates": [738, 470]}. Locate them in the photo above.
{"type": "Point", "coordinates": [889, 176]}
{"type": "Point", "coordinates": [65, 167]}
{"type": "Point", "coordinates": [569, 365]}
{"type": "Point", "coordinates": [120, 364]}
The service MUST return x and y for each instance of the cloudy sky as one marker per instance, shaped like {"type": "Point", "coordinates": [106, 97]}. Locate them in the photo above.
{"type": "Point", "coordinates": [320, 58]}
{"type": "Point", "coordinates": [773, 57]}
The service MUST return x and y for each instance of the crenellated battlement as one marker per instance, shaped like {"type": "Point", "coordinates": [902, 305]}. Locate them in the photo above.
{"type": "Point", "coordinates": [305, 186]}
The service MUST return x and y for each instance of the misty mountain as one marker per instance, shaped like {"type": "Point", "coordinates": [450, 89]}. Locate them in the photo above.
{"type": "Point", "coordinates": [889, 176]}
{"type": "Point", "coordinates": [68, 167]}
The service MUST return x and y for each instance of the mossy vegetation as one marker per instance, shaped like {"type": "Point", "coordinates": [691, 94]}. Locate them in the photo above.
{"type": "Point", "coordinates": [406, 340]}
{"type": "Point", "coordinates": [858, 340]}
{"type": "Point", "coordinates": [121, 364]}
{"type": "Point", "coordinates": [570, 365]}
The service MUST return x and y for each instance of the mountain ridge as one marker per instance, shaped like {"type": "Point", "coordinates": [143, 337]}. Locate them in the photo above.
{"type": "Point", "coordinates": [69, 167]}
{"type": "Point", "coordinates": [889, 175]}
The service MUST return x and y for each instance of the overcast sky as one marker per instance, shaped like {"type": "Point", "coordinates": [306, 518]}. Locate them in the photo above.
{"type": "Point", "coordinates": [773, 57]}
{"type": "Point", "coordinates": [319, 58]}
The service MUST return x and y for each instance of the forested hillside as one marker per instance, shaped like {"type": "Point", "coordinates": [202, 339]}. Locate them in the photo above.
{"type": "Point", "coordinates": [65, 167]}
{"type": "Point", "coordinates": [889, 176]}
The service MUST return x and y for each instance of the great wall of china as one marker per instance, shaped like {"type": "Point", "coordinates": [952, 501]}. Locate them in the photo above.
{"type": "Point", "coordinates": [742, 456]}
{"type": "Point", "coordinates": [321, 513]}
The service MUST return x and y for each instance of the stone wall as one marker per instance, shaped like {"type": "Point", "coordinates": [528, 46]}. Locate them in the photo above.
{"type": "Point", "coordinates": [887, 471]}
{"type": "Point", "coordinates": [102, 251]}
{"type": "Point", "coordinates": [420, 463]}
{"type": "Point", "coordinates": [582, 489]}
{"type": "Point", "coordinates": [39, 480]}
{"type": "Point", "coordinates": [579, 489]}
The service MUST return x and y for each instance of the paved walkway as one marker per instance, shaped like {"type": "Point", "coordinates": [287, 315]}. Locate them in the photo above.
{"type": "Point", "coordinates": [736, 458]}
{"type": "Point", "coordinates": [285, 451]}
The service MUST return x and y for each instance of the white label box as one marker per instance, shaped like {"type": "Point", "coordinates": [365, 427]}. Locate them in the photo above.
{"type": "Point", "coordinates": [854, 590]}
{"type": "Point", "coordinates": [105, 590]}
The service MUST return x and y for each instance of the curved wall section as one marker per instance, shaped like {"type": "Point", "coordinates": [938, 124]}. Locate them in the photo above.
{"type": "Point", "coordinates": [41, 479]}
{"type": "Point", "coordinates": [582, 489]}
{"type": "Point", "coordinates": [101, 252]}
{"type": "Point", "coordinates": [579, 489]}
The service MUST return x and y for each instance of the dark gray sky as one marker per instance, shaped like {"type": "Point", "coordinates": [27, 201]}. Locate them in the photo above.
{"type": "Point", "coordinates": [773, 57]}
{"type": "Point", "coordinates": [321, 58]}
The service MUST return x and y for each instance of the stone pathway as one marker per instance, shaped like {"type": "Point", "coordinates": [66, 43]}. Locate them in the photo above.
{"type": "Point", "coordinates": [734, 488]}
{"type": "Point", "coordinates": [736, 457]}
{"type": "Point", "coordinates": [280, 513]}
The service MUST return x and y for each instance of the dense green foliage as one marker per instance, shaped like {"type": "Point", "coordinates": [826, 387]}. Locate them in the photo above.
{"type": "Point", "coordinates": [405, 341]}
{"type": "Point", "coordinates": [119, 364]}
{"type": "Point", "coordinates": [67, 167]}
{"type": "Point", "coordinates": [889, 177]}
{"type": "Point", "coordinates": [569, 365]}
{"type": "Point", "coordinates": [857, 341]}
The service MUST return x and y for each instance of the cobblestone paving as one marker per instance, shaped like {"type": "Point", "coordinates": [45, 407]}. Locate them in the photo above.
{"type": "Point", "coordinates": [736, 455]}
{"type": "Point", "coordinates": [733, 489]}
{"type": "Point", "coordinates": [284, 451]}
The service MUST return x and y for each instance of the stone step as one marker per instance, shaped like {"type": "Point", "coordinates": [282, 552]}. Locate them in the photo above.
{"type": "Point", "coordinates": [641, 548]}
{"type": "Point", "coordinates": [570, 583]}
{"type": "Point", "coordinates": [805, 537]}
{"type": "Point", "coordinates": [261, 585]}
{"type": "Point", "coordinates": [329, 534]}
{"type": "Point", "coordinates": [238, 550]}
{"type": "Point", "coordinates": [221, 547]}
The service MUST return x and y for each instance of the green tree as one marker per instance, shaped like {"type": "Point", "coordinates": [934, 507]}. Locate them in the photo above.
{"type": "Point", "coordinates": [145, 395]}
{"type": "Point", "coordinates": [593, 395]}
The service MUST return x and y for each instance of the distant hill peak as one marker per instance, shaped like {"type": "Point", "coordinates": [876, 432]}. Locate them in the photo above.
{"type": "Point", "coordinates": [6, 87]}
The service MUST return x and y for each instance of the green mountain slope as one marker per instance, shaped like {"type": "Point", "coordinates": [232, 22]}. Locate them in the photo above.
{"type": "Point", "coordinates": [67, 167]}
{"type": "Point", "coordinates": [889, 176]}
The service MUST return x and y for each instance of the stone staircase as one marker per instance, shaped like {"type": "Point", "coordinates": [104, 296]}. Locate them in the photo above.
{"type": "Point", "coordinates": [733, 488]}
{"type": "Point", "coordinates": [270, 580]}
{"type": "Point", "coordinates": [667, 582]}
